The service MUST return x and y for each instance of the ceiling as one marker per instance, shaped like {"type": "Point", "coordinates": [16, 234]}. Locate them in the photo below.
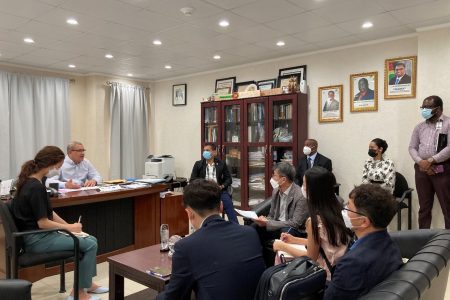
{"type": "Point", "coordinates": [126, 29]}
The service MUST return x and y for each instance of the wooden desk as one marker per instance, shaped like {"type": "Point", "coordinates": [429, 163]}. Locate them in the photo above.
{"type": "Point", "coordinates": [121, 221]}
{"type": "Point", "coordinates": [133, 265]}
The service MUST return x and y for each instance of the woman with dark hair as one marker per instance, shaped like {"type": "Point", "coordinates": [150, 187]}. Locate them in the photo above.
{"type": "Point", "coordinates": [378, 169]}
{"type": "Point", "coordinates": [327, 234]}
{"type": "Point", "coordinates": [32, 210]}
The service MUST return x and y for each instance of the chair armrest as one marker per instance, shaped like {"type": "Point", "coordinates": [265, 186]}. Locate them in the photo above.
{"type": "Point", "coordinates": [404, 195]}
{"type": "Point", "coordinates": [15, 289]}
{"type": "Point", "coordinates": [16, 235]}
{"type": "Point", "coordinates": [262, 209]}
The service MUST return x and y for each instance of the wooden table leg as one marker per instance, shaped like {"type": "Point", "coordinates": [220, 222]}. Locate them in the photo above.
{"type": "Point", "coordinates": [116, 284]}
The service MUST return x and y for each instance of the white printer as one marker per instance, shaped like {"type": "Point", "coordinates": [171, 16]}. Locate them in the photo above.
{"type": "Point", "coordinates": [160, 167]}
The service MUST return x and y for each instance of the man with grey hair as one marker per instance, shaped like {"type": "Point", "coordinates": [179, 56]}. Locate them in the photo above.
{"type": "Point", "coordinates": [288, 210]}
{"type": "Point", "coordinates": [76, 170]}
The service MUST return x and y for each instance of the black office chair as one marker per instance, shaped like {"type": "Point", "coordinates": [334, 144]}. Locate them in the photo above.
{"type": "Point", "coordinates": [15, 289]}
{"type": "Point", "coordinates": [401, 193]}
{"type": "Point", "coordinates": [17, 257]}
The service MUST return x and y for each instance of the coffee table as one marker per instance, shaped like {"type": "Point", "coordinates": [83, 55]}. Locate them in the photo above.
{"type": "Point", "coordinates": [133, 265]}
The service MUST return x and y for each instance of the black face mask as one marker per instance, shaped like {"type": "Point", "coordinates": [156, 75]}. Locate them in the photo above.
{"type": "Point", "coordinates": [372, 153]}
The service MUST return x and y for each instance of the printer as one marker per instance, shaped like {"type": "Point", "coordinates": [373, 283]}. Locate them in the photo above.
{"type": "Point", "coordinates": [160, 167]}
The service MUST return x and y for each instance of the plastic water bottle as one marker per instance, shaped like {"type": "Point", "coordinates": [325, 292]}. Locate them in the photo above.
{"type": "Point", "coordinates": [164, 233]}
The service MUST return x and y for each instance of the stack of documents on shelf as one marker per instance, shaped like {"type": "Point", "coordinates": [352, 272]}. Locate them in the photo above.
{"type": "Point", "coordinates": [236, 182]}
{"type": "Point", "coordinates": [256, 182]}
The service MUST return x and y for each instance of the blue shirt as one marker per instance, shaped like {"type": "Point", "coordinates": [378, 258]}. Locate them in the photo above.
{"type": "Point", "coordinates": [78, 173]}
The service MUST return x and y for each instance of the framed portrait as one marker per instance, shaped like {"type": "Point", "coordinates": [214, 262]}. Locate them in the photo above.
{"type": "Point", "coordinates": [225, 85]}
{"type": "Point", "coordinates": [294, 70]}
{"type": "Point", "coordinates": [267, 84]}
{"type": "Point", "coordinates": [364, 92]}
{"type": "Point", "coordinates": [283, 81]}
{"type": "Point", "coordinates": [400, 77]}
{"type": "Point", "coordinates": [242, 86]}
{"type": "Point", "coordinates": [330, 103]}
{"type": "Point", "coordinates": [179, 95]}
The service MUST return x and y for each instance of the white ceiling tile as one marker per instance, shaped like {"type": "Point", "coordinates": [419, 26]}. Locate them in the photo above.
{"type": "Point", "coordinates": [24, 8]}
{"type": "Point", "coordinates": [298, 23]}
{"type": "Point", "coordinates": [431, 22]}
{"type": "Point", "coordinates": [382, 33]}
{"type": "Point", "coordinates": [337, 12]}
{"type": "Point", "coordinates": [255, 33]}
{"type": "Point", "coordinates": [187, 32]}
{"type": "Point", "coordinates": [400, 4]}
{"type": "Point", "coordinates": [424, 12]}
{"type": "Point", "coordinates": [52, 2]}
{"type": "Point", "coordinates": [382, 21]}
{"type": "Point", "coordinates": [322, 34]}
{"type": "Point", "coordinates": [291, 42]}
{"type": "Point", "coordinates": [34, 28]}
{"type": "Point", "coordinates": [230, 4]}
{"type": "Point", "coordinates": [10, 50]}
{"type": "Point", "coordinates": [120, 32]}
{"type": "Point", "coordinates": [110, 10]}
{"type": "Point", "coordinates": [273, 10]}
{"type": "Point", "coordinates": [42, 61]}
{"type": "Point", "coordinates": [58, 17]}
{"type": "Point", "coordinates": [250, 51]}
{"type": "Point", "coordinates": [8, 21]}
{"type": "Point", "coordinates": [338, 42]}
{"type": "Point", "coordinates": [313, 4]}
{"type": "Point", "coordinates": [148, 21]}
{"type": "Point", "coordinates": [236, 22]}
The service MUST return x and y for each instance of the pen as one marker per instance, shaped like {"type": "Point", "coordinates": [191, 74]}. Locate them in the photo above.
{"type": "Point", "coordinates": [286, 232]}
{"type": "Point", "coordinates": [79, 219]}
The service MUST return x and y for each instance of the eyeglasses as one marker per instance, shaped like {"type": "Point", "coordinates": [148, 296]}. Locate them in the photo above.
{"type": "Point", "coordinates": [355, 212]}
{"type": "Point", "coordinates": [430, 107]}
{"type": "Point", "coordinates": [80, 150]}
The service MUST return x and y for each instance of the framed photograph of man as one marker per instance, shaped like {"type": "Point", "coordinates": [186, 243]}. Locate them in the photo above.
{"type": "Point", "coordinates": [225, 85]}
{"type": "Point", "coordinates": [364, 92]}
{"type": "Point", "coordinates": [400, 77]}
{"type": "Point", "coordinates": [330, 103]}
{"type": "Point", "coordinates": [179, 96]}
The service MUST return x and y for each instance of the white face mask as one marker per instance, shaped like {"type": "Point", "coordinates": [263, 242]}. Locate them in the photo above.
{"type": "Point", "coordinates": [306, 150]}
{"type": "Point", "coordinates": [274, 183]}
{"type": "Point", "coordinates": [304, 192]}
{"type": "Point", "coordinates": [347, 220]}
{"type": "Point", "coordinates": [52, 173]}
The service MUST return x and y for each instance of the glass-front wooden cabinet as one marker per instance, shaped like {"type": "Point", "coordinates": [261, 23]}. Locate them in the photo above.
{"type": "Point", "coordinates": [252, 135]}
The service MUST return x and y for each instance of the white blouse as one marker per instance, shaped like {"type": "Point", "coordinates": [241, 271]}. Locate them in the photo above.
{"type": "Point", "coordinates": [376, 171]}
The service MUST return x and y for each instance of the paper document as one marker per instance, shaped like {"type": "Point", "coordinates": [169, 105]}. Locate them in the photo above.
{"type": "Point", "coordinates": [150, 180]}
{"type": "Point", "coordinates": [296, 246]}
{"type": "Point", "coordinates": [247, 213]}
{"type": "Point", "coordinates": [5, 187]}
{"type": "Point", "coordinates": [78, 234]}
{"type": "Point", "coordinates": [111, 188]}
{"type": "Point", "coordinates": [62, 191]}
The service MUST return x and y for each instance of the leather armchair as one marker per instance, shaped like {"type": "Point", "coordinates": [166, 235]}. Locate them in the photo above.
{"type": "Point", "coordinates": [428, 252]}
{"type": "Point", "coordinates": [15, 289]}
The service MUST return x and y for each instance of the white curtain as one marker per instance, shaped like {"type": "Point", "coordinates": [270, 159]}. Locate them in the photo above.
{"type": "Point", "coordinates": [129, 132]}
{"type": "Point", "coordinates": [34, 112]}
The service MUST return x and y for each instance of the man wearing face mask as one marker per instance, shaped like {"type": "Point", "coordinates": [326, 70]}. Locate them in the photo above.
{"type": "Point", "coordinates": [288, 210]}
{"type": "Point", "coordinates": [213, 169]}
{"type": "Point", "coordinates": [430, 151]}
{"type": "Point", "coordinates": [312, 158]}
{"type": "Point", "coordinates": [374, 256]}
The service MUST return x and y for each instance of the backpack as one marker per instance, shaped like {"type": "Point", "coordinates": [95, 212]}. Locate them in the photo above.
{"type": "Point", "coordinates": [300, 279]}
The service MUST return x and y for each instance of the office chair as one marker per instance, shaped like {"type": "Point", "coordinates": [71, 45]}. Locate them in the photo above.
{"type": "Point", "coordinates": [15, 289]}
{"type": "Point", "coordinates": [401, 193]}
{"type": "Point", "coordinates": [17, 257]}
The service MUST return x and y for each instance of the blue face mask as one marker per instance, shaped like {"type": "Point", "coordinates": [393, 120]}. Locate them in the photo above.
{"type": "Point", "coordinates": [206, 155]}
{"type": "Point", "coordinates": [427, 113]}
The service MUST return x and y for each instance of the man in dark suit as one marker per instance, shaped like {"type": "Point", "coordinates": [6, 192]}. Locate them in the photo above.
{"type": "Point", "coordinates": [288, 210]}
{"type": "Point", "coordinates": [312, 158]}
{"type": "Point", "coordinates": [374, 256]}
{"type": "Point", "coordinates": [365, 93]}
{"type": "Point", "coordinates": [400, 74]}
{"type": "Point", "coordinates": [221, 259]}
{"type": "Point", "coordinates": [213, 169]}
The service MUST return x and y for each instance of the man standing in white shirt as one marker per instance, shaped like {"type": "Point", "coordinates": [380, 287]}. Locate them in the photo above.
{"type": "Point", "coordinates": [76, 170]}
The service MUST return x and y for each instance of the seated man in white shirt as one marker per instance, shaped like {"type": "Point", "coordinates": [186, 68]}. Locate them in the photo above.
{"type": "Point", "coordinates": [76, 170]}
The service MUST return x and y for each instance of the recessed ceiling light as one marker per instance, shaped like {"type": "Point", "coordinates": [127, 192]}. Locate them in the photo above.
{"type": "Point", "coordinates": [224, 23]}
{"type": "Point", "coordinates": [157, 42]}
{"type": "Point", "coordinates": [72, 21]}
{"type": "Point", "coordinates": [367, 25]}
{"type": "Point", "coordinates": [130, 74]}
{"type": "Point", "coordinates": [281, 43]}
{"type": "Point", "coordinates": [110, 56]}
{"type": "Point", "coordinates": [168, 66]}
{"type": "Point", "coordinates": [217, 56]}
{"type": "Point", "coordinates": [28, 40]}
{"type": "Point", "coordinates": [72, 66]}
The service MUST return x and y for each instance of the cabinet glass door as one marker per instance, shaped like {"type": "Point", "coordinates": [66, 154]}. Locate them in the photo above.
{"type": "Point", "coordinates": [256, 122]}
{"type": "Point", "coordinates": [281, 154]}
{"type": "Point", "coordinates": [232, 121]}
{"type": "Point", "coordinates": [211, 124]}
{"type": "Point", "coordinates": [233, 161]}
{"type": "Point", "coordinates": [282, 122]}
{"type": "Point", "coordinates": [256, 175]}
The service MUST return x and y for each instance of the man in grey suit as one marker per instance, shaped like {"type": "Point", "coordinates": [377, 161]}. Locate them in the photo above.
{"type": "Point", "coordinates": [331, 104]}
{"type": "Point", "coordinates": [288, 210]}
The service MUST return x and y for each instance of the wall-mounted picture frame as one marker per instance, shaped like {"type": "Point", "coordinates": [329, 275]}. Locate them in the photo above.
{"type": "Point", "coordinates": [283, 81]}
{"type": "Point", "coordinates": [179, 94]}
{"type": "Point", "coordinates": [225, 85]}
{"type": "Point", "coordinates": [400, 77]}
{"type": "Point", "coordinates": [242, 86]}
{"type": "Point", "coordinates": [267, 84]}
{"type": "Point", "coordinates": [330, 103]}
{"type": "Point", "coordinates": [294, 70]}
{"type": "Point", "coordinates": [364, 92]}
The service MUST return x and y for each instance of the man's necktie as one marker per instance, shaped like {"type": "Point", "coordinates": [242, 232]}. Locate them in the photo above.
{"type": "Point", "coordinates": [309, 162]}
{"type": "Point", "coordinates": [397, 80]}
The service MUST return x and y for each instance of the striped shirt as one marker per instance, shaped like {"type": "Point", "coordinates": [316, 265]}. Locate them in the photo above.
{"type": "Point", "coordinates": [424, 140]}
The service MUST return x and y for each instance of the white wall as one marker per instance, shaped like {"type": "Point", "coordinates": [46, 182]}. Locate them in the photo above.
{"type": "Point", "coordinates": [177, 129]}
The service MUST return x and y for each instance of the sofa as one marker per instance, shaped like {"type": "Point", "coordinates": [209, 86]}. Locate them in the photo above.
{"type": "Point", "coordinates": [425, 274]}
